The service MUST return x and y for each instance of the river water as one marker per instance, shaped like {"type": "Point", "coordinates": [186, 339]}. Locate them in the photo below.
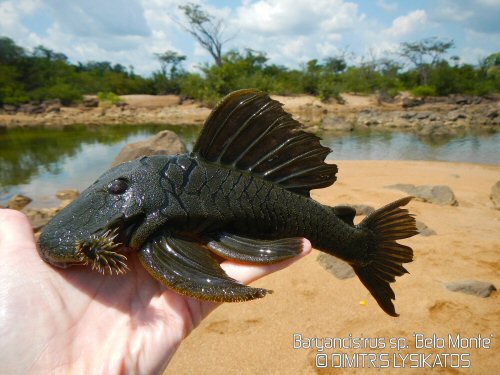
{"type": "Point", "coordinates": [38, 162]}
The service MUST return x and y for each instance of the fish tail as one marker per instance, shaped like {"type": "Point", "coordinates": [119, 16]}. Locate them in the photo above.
{"type": "Point", "coordinates": [385, 255]}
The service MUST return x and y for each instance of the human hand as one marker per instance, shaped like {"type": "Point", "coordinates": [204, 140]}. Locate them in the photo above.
{"type": "Point", "coordinates": [77, 321]}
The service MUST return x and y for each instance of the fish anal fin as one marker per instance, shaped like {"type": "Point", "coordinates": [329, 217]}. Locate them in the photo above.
{"type": "Point", "coordinates": [250, 250]}
{"type": "Point", "coordinates": [249, 131]}
{"type": "Point", "coordinates": [188, 268]}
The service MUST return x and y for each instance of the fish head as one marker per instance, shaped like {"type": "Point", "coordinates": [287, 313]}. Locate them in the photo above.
{"type": "Point", "coordinates": [115, 214]}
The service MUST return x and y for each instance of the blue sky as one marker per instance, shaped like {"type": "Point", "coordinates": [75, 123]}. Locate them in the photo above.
{"type": "Point", "coordinates": [290, 32]}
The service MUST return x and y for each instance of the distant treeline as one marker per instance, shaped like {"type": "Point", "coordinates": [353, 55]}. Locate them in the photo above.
{"type": "Point", "coordinates": [42, 74]}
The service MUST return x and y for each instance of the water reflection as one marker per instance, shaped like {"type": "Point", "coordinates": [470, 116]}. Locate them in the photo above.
{"type": "Point", "coordinates": [473, 147]}
{"type": "Point", "coordinates": [37, 162]}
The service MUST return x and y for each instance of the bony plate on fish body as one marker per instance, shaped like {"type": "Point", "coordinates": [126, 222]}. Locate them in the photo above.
{"type": "Point", "coordinates": [242, 194]}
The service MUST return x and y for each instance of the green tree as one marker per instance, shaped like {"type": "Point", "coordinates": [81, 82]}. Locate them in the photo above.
{"type": "Point", "coordinates": [10, 52]}
{"type": "Point", "coordinates": [492, 60]}
{"type": "Point", "coordinates": [425, 54]}
{"type": "Point", "coordinates": [206, 29]}
{"type": "Point", "coordinates": [46, 53]}
{"type": "Point", "coordinates": [169, 63]}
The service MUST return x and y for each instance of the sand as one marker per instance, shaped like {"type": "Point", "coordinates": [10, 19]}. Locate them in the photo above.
{"type": "Point", "coordinates": [257, 337]}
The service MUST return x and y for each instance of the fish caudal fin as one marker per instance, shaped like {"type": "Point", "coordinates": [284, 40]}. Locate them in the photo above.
{"type": "Point", "coordinates": [386, 256]}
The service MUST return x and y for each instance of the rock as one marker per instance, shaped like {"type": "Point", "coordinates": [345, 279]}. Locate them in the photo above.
{"type": "Point", "coordinates": [64, 203]}
{"type": "Point", "coordinates": [68, 194]}
{"type": "Point", "coordinates": [340, 99]}
{"type": "Point", "coordinates": [310, 114]}
{"type": "Point", "coordinates": [30, 108]}
{"type": "Point", "coordinates": [340, 269]}
{"type": "Point", "coordinates": [336, 123]}
{"type": "Point", "coordinates": [495, 195]}
{"type": "Point", "coordinates": [399, 122]}
{"type": "Point", "coordinates": [10, 108]}
{"type": "Point", "coordinates": [435, 130]}
{"type": "Point", "coordinates": [18, 202]}
{"type": "Point", "coordinates": [424, 230]}
{"type": "Point", "coordinates": [422, 115]}
{"type": "Point", "coordinates": [39, 218]}
{"type": "Point", "coordinates": [439, 194]}
{"type": "Point", "coordinates": [90, 103]}
{"type": "Point", "coordinates": [408, 115]}
{"type": "Point", "coordinates": [383, 97]}
{"type": "Point", "coordinates": [412, 102]}
{"type": "Point", "coordinates": [455, 115]}
{"type": "Point", "coordinates": [120, 105]}
{"type": "Point", "coordinates": [464, 99]}
{"type": "Point", "coordinates": [492, 114]}
{"type": "Point", "coordinates": [434, 117]}
{"type": "Point", "coordinates": [165, 142]}
{"type": "Point", "coordinates": [51, 106]}
{"type": "Point", "coordinates": [474, 287]}
{"type": "Point", "coordinates": [368, 117]}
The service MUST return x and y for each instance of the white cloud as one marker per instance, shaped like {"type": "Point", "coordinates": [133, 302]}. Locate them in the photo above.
{"type": "Point", "coordinates": [294, 31]}
{"type": "Point", "coordinates": [404, 25]}
{"type": "Point", "coordinates": [296, 17]}
{"type": "Point", "coordinates": [388, 7]}
{"type": "Point", "coordinates": [97, 17]}
{"type": "Point", "coordinates": [11, 14]}
{"type": "Point", "coordinates": [478, 46]}
{"type": "Point", "coordinates": [451, 11]}
{"type": "Point", "coordinates": [478, 15]}
{"type": "Point", "coordinates": [330, 46]}
{"type": "Point", "coordinates": [288, 31]}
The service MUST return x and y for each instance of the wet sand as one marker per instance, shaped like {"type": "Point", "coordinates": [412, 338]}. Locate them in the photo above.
{"type": "Point", "coordinates": [258, 337]}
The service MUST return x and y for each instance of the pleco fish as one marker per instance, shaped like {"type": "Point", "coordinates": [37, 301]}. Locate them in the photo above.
{"type": "Point", "coordinates": [242, 194]}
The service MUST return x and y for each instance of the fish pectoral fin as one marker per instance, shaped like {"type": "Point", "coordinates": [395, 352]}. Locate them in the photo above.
{"type": "Point", "coordinates": [188, 268]}
{"type": "Point", "coordinates": [231, 246]}
{"type": "Point", "coordinates": [345, 213]}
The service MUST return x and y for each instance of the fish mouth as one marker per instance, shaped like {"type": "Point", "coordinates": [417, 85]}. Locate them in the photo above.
{"type": "Point", "coordinates": [104, 250]}
{"type": "Point", "coordinates": [125, 227]}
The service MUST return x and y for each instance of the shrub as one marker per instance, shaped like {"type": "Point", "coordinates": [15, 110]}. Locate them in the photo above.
{"type": "Point", "coordinates": [9, 95]}
{"type": "Point", "coordinates": [423, 91]}
{"type": "Point", "coordinates": [108, 98]}
{"type": "Point", "coordinates": [65, 92]}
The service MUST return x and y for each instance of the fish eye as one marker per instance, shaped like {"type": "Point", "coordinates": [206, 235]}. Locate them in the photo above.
{"type": "Point", "coordinates": [118, 186]}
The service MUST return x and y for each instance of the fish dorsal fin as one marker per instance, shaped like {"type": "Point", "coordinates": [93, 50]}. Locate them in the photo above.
{"type": "Point", "coordinates": [251, 132]}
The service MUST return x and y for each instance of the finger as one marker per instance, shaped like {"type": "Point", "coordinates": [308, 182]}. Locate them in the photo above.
{"type": "Point", "coordinates": [246, 273]}
{"type": "Point", "coordinates": [15, 230]}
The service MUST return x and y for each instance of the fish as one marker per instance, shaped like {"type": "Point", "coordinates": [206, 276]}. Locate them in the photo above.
{"type": "Point", "coordinates": [243, 193]}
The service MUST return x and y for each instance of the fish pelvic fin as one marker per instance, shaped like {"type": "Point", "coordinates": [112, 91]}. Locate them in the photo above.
{"type": "Point", "coordinates": [385, 255]}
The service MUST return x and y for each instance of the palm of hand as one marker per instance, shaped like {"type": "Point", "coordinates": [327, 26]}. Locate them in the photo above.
{"type": "Point", "coordinates": [82, 321]}
{"type": "Point", "coordinates": [76, 320]}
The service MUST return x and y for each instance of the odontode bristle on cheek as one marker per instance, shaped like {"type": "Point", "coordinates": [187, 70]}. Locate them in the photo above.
{"type": "Point", "coordinates": [99, 251]}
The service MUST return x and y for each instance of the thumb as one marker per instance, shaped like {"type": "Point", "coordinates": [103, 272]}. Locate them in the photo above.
{"type": "Point", "coordinates": [246, 273]}
{"type": "Point", "coordinates": [15, 230]}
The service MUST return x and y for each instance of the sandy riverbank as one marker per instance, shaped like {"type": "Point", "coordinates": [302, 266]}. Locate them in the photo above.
{"type": "Point", "coordinates": [438, 116]}
{"type": "Point", "coordinates": [257, 337]}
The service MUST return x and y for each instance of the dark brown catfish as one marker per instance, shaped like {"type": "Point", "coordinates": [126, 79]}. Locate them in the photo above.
{"type": "Point", "coordinates": [243, 194]}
